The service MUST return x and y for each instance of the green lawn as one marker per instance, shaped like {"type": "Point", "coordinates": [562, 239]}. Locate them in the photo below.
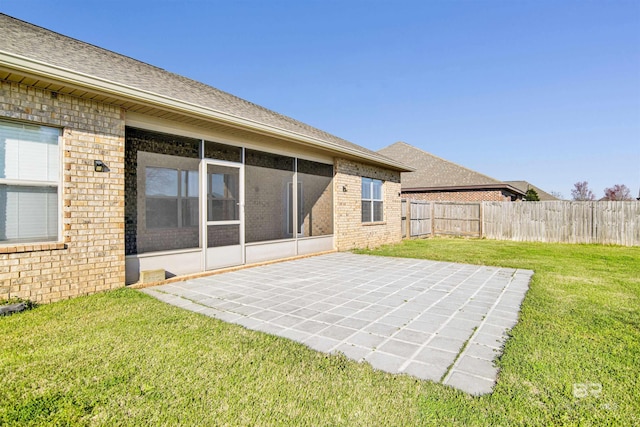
{"type": "Point", "coordinates": [122, 358]}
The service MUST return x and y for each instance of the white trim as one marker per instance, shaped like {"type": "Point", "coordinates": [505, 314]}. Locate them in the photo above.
{"type": "Point", "coordinates": [277, 249]}
{"type": "Point", "coordinates": [324, 236]}
{"type": "Point", "coordinates": [163, 253]}
{"type": "Point", "coordinates": [141, 121]}
{"type": "Point", "coordinates": [372, 199]}
{"type": "Point", "coordinates": [225, 163]}
{"type": "Point", "coordinates": [315, 244]}
{"type": "Point", "coordinates": [176, 263]}
{"type": "Point", "coordinates": [231, 222]}
{"type": "Point", "coordinates": [292, 193]}
{"type": "Point", "coordinates": [204, 214]}
{"type": "Point", "coordinates": [26, 183]}
{"type": "Point", "coordinates": [59, 184]}
{"type": "Point", "coordinates": [21, 63]}
{"type": "Point", "coordinates": [267, 242]}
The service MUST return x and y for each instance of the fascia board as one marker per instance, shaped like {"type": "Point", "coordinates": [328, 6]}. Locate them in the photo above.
{"type": "Point", "coordinates": [464, 188]}
{"type": "Point", "coordinates": [34, 67]}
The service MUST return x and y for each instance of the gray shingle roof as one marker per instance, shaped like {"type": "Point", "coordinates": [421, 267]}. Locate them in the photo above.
{"type": "Point", "coordinates": [53, 49]}
{"type": "Point", "coordinates": [433, 171]}
{"type": "Point", "coordinates": [524, 186]}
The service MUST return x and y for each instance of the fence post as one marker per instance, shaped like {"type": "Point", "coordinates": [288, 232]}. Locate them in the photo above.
{"type": "Point", "coordinates": [408, 213]}
{"type": "Point", "coordinates": [481, 225]}
{"type": "Point", "coordinates": [432, 208]}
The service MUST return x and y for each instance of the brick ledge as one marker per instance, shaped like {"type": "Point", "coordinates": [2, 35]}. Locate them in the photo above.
{"type": "Point", "coordinates": [32, 248]}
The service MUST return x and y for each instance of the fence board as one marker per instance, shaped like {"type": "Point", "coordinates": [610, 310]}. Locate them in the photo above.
{"type": "Point", "coordinates": [420, 214]}
{"type": "Point", "coordinates": [460, 219]}
{"type": "Point", "coordinates": [615, 223]}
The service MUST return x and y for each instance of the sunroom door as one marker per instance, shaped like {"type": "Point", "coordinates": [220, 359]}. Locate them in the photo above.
{"type": "Point", "coordinates": [223, 213]}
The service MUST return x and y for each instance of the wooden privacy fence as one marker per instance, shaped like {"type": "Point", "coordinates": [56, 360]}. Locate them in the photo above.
{"type": "Point", "coordinates": [420, 218]}
{"type": "Point", "coordinates": [616, 223]}
{"type": "Point", "coordinates": [558, 221]}
{"type": "Point", "coordinates": [443, 218]}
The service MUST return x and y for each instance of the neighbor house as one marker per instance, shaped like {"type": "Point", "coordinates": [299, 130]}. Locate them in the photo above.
{"type": "Point", "coordinates": [437, 179]}
{"type": "Point", "coordinates": [110, 167]}
{"type": "Point", "coordinates": [525, 186]}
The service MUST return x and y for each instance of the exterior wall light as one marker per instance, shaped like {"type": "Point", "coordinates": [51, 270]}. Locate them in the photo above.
{"type": "Point", "coordinates": [100, 166]}
{"type": "Point", "coordinates": [344, 188]}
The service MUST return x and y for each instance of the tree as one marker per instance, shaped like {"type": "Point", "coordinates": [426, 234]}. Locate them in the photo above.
{"type": "Point", "coordinates": [557, 195]}
{"type": "Point", "coordinates": [617, 192]}
{"type": "Point", "coordinates": [582, 192]}
{"type": "Point", "coordinates": [531, 195]}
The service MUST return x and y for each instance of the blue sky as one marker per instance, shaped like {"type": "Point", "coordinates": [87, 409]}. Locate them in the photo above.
{"type": "Point", "coordinates": [542, 91]}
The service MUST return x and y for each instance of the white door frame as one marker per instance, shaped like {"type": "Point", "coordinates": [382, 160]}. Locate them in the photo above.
{"type": "Point", "coordinates": [222, 256]}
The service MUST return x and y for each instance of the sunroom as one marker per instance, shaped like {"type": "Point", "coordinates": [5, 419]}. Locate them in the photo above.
{"type": "Point", "coordinates": [159, 175]}
{"type": "Point", "coordinates": [198, 204]}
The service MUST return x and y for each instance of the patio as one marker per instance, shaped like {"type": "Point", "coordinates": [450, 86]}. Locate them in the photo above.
{"type": "Point", "coordinates": [437, 321]}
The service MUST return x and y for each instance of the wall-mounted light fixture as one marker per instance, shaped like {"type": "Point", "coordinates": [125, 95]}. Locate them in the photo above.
{"type": "Point", "coordinates": [100, 166]}
{"type": "Point", "coordinates": [344, 188]}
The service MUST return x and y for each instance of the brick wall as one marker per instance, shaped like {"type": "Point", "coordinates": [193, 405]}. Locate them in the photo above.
{"type": "Point", "coordinates": [350, 231]}
{"type": "Point", "coordinates": [459, 196]}
{"type": "Point", "coordinates": [90, 257]}
{"type": "Point", "coordinates": [266, 203]}
{"type": "Point", "coordinates": [317, 205]}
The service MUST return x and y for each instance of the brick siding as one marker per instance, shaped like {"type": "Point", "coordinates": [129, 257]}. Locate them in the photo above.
{"type": "Point", "coordinates": [350, 231]}
{"type": "Point", "coordinates": [90, 257]}
{"type": "Point", "coordinates": [91, 254]}
{"type": "Point", "coordinates": [459, 196]}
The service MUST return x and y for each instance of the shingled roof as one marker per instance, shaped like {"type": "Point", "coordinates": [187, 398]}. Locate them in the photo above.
{"type": "Point", "coordinates": [42, 58]}
{"type": "Point", "coordinates": [524, 186]}
{"type": "Point", "coordinates": [435, 173]}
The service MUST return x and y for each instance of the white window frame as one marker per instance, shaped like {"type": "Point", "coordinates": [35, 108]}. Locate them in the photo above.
{"type": "Point", "coordinates": [57, 184]}
{"type": "Point", "coordinates": [294, 202]}
{"type": "Point", "coordinates": [372, 199]}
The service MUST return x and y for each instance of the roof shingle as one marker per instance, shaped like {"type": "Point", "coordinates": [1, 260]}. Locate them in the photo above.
{"type": "Point", "coordinates": [433, 171]}
{"type": "Point", "coordinates": [524, 186]}
{"type": "Point", "coordinates": [53, 49]}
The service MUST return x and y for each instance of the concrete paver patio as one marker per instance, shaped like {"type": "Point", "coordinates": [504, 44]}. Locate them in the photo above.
{"type": "Point", "coordinates": [437, 321]}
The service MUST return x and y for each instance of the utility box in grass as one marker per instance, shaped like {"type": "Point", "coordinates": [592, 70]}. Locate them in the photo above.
{"type": "Point", "coordinates": [148, 276]}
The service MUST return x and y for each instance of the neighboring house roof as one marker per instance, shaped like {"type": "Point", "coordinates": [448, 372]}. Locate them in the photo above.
{"type": "Point", "coordinates": [42, 58]}
{"type": "Point", "coordinates": [433, 173]}
{"type": "Point", "coordinates": [524, 186]}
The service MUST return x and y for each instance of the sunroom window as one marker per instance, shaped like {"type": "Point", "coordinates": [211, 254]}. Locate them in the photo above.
{"type": "Point", "coordinates": [172, 198]}
{"type": "Point", "coordinates": [168, 206]}
{"type": "Point", "coordinates": [29, 183]}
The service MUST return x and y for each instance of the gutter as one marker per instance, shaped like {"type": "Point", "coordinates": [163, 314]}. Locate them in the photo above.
{"type": "Point", "coordinates": [463, 188]}
{"type": "Point", "coordinates": [13, 62]}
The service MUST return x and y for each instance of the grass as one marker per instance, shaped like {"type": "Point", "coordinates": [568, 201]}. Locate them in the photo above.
{"type": "Point", "coordinates": [124, 358]}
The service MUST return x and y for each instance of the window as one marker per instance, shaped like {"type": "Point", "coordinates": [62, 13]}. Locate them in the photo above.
{"type": "Point", "coordinates": [29, 183]}
{"type": "Point", "coordinates": [171, 198]}
{"type": "Point", "coordinates": [223, 193]}
{"type": "Point", "coordinates": [168, 154]}
{"type": "Point", "coordinates": [371, 200]}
